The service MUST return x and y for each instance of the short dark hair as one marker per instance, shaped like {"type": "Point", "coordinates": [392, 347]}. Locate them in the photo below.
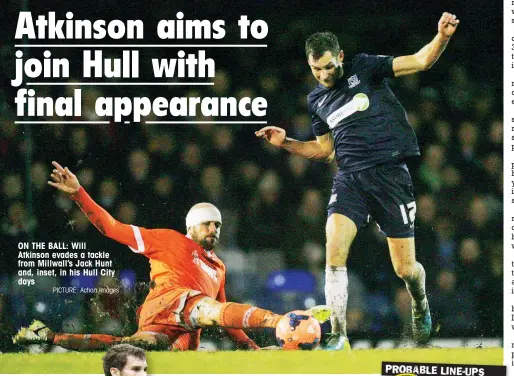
{"type": "Point", "coordinates": [117, 356]}
{"type": "Point", "coordinates": [319, 43]}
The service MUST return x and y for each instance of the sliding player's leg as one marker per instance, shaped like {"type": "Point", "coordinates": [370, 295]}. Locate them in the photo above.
{"type": "Point", "coordinates": [204, 311]}
{"type": "Point", "coordinates": [38, 333]}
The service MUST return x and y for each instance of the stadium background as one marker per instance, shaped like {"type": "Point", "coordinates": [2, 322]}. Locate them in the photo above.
{"type": "Point", "coordinates": [273, 204]}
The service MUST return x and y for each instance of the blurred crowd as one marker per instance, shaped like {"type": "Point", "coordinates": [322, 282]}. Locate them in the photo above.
{"type": "Point", "coordinates": [273, 203]}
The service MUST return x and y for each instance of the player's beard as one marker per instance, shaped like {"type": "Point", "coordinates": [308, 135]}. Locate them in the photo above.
{"type": "Point", "coordinates": [208, 242]}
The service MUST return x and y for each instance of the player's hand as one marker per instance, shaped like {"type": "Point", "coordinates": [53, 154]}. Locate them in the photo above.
{"type": "Point", "coordinates": [448, 24]}
{"type": "Point", "coordinates": [274, 135]}
{"type": "Point", "coordinates": [64, 180]}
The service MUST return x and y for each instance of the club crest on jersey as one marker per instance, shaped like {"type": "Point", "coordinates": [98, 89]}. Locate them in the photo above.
{"type": "Point", "coordinates": [353, 81]}
{"type": "Point", "coordinates": [206, 268]}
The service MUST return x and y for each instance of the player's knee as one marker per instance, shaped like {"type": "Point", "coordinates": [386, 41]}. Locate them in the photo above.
{"type": "Point", "coordinates": [206, 312]}
{"type": "Point", "coordinates": [336, 253]}
{"type": "Point", "coordinates": [405, 270]}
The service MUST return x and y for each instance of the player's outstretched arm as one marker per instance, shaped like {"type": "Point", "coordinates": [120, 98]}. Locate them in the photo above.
{"type": "Point", "coordinates": [321, 150]}
{"type": "Point", "coordinates": [65, 181]}
{"type": "Point", "coordinates": [429, 54]}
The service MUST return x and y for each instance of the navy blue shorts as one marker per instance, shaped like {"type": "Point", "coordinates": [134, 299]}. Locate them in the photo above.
{"type": "Point", "coordinates": [385, 192]}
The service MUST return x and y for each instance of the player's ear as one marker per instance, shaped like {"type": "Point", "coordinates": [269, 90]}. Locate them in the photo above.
{"type": "Point", "coordinates": [340, 57]}
{"type": "Point", "coordinates": [115, 371]}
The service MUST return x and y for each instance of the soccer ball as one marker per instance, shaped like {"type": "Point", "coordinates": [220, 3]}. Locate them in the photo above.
{"type": "Point", "coordinates": [297, 330]}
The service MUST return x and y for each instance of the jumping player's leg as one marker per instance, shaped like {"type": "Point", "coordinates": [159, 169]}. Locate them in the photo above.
{"type": "Point", "coordinates": [394, 209]}
{"type": "Point", "coordinates": [348, 209]}
{"type": "Point", "coordinates": [340, 231]}
{"type": "Point", "coordinates": [403, 257]}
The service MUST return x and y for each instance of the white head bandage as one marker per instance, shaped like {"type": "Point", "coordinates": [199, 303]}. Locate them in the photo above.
{"type": "Point", "coordinates": [202, 212]}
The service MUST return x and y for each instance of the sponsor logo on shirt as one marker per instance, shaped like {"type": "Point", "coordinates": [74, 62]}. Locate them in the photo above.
{"type": "Point", "coordinates": [206, 268]}
{"type": "Point", "coordinates": [353, 81]}
{"type": "Point", "coordinates": [360, 102]}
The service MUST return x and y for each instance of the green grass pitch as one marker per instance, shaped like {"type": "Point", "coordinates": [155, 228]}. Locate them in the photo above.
{"type": "Point", "coordinates": [358, 361]}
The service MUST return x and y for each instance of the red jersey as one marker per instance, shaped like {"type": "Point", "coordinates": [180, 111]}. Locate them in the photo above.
{"type": "Point", "coordinates": [178, 263]}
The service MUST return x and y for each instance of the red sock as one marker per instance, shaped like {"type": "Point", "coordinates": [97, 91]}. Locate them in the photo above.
{"type": "Point", "coordinates": [85, 341]}
{"type": "Point", "coordinates": [240, 316]}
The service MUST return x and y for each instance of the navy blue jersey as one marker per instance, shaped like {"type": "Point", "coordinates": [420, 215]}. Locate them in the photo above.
{"type": "Point", "coordinates": [367, 121]}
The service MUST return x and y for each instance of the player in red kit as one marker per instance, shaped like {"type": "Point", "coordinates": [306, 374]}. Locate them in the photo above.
{"type": "Point", "coordinates": [188, 282]}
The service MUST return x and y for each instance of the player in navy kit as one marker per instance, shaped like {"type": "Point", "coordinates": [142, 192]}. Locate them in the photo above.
{"type": "Point", "coordinates": [357, 119]}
